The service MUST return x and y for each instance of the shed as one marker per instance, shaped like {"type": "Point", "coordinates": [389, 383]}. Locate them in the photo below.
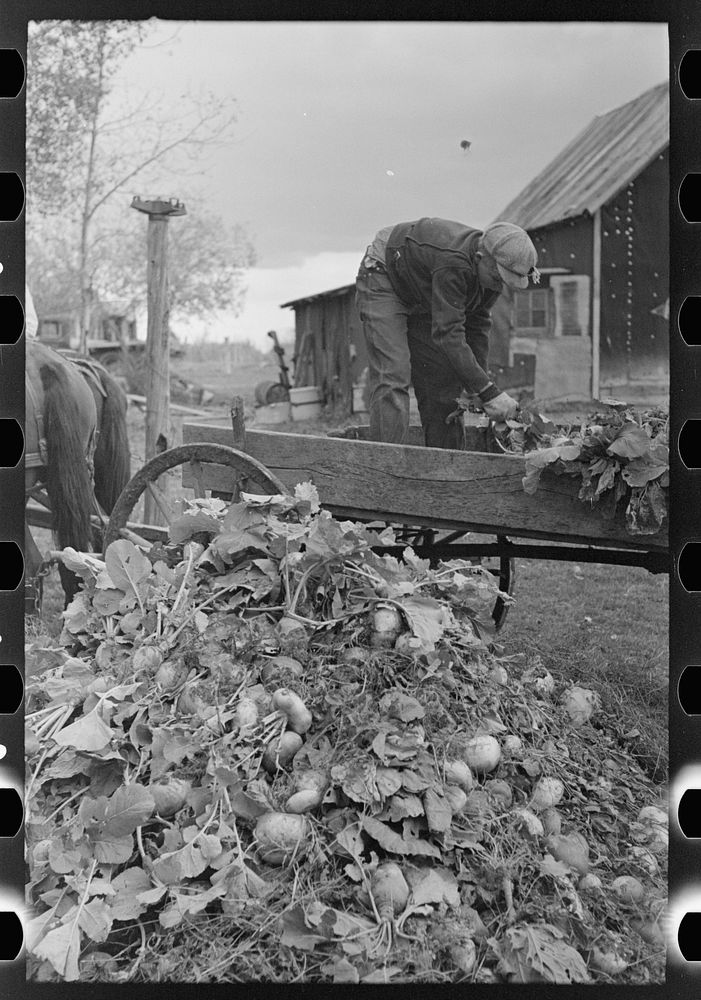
{"type": "Point", "coordinates": [598, 214]}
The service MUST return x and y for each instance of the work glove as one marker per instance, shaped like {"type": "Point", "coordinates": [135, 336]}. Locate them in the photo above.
{"type": "Point", "coordinates": [502, 407]}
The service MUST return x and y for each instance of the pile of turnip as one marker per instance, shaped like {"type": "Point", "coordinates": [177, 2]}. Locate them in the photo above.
{"type": "Point", "coordinates": [324, 770]}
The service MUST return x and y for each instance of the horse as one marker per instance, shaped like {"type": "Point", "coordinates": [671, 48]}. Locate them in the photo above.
{"type": "Point", "coordinates": [77, 458]}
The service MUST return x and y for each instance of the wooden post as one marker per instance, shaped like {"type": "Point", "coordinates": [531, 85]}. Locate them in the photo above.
{"type": "Point", "coordinates": [157, 336]}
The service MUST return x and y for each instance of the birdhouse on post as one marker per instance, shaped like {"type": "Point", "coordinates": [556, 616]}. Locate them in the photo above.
{"type": "Point", "coordinates": [159, 211]}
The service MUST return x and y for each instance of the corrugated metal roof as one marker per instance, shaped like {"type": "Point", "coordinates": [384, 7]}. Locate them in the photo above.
{"type": "Point", "coordinates": [597, 164]}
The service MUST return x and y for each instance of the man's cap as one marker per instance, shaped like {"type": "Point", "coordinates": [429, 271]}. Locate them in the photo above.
{"type": "Point", "coordinates": [513, 252]}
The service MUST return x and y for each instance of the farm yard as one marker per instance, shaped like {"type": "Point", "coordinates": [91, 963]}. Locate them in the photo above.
{"type": "Point", "coordinates": [245, 765]}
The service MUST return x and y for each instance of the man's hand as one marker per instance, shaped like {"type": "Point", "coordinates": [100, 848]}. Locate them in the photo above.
{"type": "Point", "coordinates": [502, 407]}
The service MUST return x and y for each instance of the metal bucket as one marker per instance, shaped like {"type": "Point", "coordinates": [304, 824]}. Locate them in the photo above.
{"type": "Point", "coordinates": [271, 392]}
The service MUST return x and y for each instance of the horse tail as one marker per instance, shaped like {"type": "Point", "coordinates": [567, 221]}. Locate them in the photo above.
{"type": "Point", "coordinates": [112, 455]}
{"type": "Point", "coordinates": [68, 476]}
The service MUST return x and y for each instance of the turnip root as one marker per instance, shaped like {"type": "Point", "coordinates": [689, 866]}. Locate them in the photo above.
{"type": "Point", "coordinates": [590, 883]}
{"type": "Point", "coordinates": [279, 836]}
{"type": "Point", "coordinates": [463, 954]}
{"type": "Point", "coordinates": [147, 659]}
{"type": "Point", "coordinates": [390, 894]}
{"type": "Point", "coordinates": [500, 674]}
{"type": "Point", "coordinates": [246, 714]}
{"type": "Point", "coordinates": [652, 816]}
{"type": "Point", "coordinates": [386, 625]}
{"type": "Point", "coordinates": [579, 704]}
{"type": "Point", "coordinates": [458, 773]}
{"type": "Point", "coordinates": [628, 888]}
{"type": "Point", "coordinates": [512, 744]}
{"type": "Point", "coordinates": [299, 718]}
{"type": "Point", "coordinates": [171, 674]}
{"type": "Point", "coordinates": [650, 931]}
{"type": "Point", "coordinates": [572, 849]}
{"type": "Point", "coordinates": [456, 798]}
{"type": "Point", "coordinates": [552, 821]}
{"type": "Point", "coordinates": [279, 666]}
{"type": "Point", "coordinates": [280, 752]}
{"type": "Point", "coordinates": [170, 796]}
{"type": "Point", "coordinates": [482, 754]}
{"type": "Point", "coordinates": [607, 961]}
{"type": "Point", "coordinates": [546, 794]}
{"type": "Point", "coordinates": [500, 791]}
{"type": "Point", "coordinates": [310, 779]}
{"type": "Point", "coordinates": [304, 801]}
{"type": "Point", "coordinates": [190, 702]}
{"type": "Point", "coordinates": [529, 822]}
{"type": "Point", "coordinates": [355, 656]}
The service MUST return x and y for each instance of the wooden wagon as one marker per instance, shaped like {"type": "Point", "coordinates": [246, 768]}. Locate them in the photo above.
{"type": "Point", "coordinates": [446, 504]}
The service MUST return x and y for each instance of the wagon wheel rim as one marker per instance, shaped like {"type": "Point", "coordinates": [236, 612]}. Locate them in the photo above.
{"type": "Point", "coordinates": [252, 474]}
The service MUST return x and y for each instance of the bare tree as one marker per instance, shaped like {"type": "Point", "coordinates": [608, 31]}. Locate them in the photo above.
{"type": "Point", "coordinates": [104, 144]}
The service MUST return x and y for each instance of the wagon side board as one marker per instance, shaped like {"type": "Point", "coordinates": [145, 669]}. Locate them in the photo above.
{"type": "Point", "coordinates": [432, 487]}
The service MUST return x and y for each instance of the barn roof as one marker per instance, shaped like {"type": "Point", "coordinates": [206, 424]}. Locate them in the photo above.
{"type": "Point", "coordinates": [610, 152]}
{"type": "Point", "coordinates": [343, 290]}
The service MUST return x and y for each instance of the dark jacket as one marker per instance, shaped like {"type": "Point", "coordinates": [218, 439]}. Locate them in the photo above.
{"type": "Point", "coordinates": [432, 267]}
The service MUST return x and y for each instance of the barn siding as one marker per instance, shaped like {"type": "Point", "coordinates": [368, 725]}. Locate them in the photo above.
{"type": "Point", "coordinates": [634, 341]}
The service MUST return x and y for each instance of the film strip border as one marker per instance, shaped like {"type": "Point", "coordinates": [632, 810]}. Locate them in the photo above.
{"type": "Point", "coordinates": [684, 925]}
{"type": "Point", "coordinates": [685, 533]}
{"type": "Point", "coordinates": [12, 171]}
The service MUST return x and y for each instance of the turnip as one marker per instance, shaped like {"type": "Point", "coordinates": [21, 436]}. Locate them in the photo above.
{"type": "Point", "coordinates": [455, 797]}
{"type": "Point", "coordinates": [280, 752]}
{"type": "Point", "coordinates": [628, 888]}
{"type": "Point", "coordinates": [390, 894]}
{"type": "Point", "coordinates": [299, 718]}
{"type": "Point", "coordinates": [529, 822]}
{"type": "Point", "coordinates": [572, 849]}
{"type": "Point", "coordinates": [644, 857]}
{"type": "Point", "coordinates": [650, 931]}
{"type": "Point", "coordinates": [171, 674]}
{"type": "Point", "coordinates": [147, 659]}
{"type": "Point", "coordinates": [652, 816]}
{"type": "Point", "coordinates": [590, 883]}
{"type": "Point", "coordinates": [355, 656]}
{"type": "Point", "coordinates": [463, 954]}
{"type": "Point", "coordinates": [169, 796]}
{"type": "Point", "coordinates": [458, 773]}
{"type": "Point", "coordinates": [246, 714]}
{"type": "Point", "coordinates": [304, 801]}
{"type": "Point", "coordinates": [279, 836]}
{"type": "Point", "coordinates": [190, 702]}
{"type": "Point", "coordinates": [552, 821]}
{"type": "Point", "coordinates": [482, 753]}
{"type": "Point", "coordinates": [279, 666]}
{"type": "Point", "coordinates": [579, 704]}
{"type": "Point", "coordinates": [386, 624]}
{"type": "Point", "coordinates": [310, 778]}
{"type": "Point", "coordinates": [512, 744]}
{"type": "Point", "coordinates": [546, 794]}
{"type": "Point", "coordinates": [500, 791]}
{"type": "Point", "coordinates": [607, 961]}
{"type": "Point", "coordinates": [500, 674]}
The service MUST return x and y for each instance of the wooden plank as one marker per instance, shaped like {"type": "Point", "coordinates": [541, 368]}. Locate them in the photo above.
{"type": "Point", "coordinates": [427, 486]}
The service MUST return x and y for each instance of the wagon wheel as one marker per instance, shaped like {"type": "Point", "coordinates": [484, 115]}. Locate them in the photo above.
{"type": "Point", "coordinates": [252, 476]}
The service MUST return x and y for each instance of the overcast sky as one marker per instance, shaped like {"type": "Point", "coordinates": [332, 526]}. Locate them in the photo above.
{"type": "Point", "coordinates": [345, 127]}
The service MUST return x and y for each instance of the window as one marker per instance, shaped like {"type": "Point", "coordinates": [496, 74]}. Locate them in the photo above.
{"type": "Point", "coordinates": [532, 307]}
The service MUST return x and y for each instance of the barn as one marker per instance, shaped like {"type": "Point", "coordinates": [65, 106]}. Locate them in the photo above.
{"type": "Point", "coordinates": [596, 325]}
{"type": "Point", "coordinates": [598, 214]}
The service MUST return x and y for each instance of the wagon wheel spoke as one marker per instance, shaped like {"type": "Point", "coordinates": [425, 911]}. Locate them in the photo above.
{"type": "Point", "coordinates": [161, 502]}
